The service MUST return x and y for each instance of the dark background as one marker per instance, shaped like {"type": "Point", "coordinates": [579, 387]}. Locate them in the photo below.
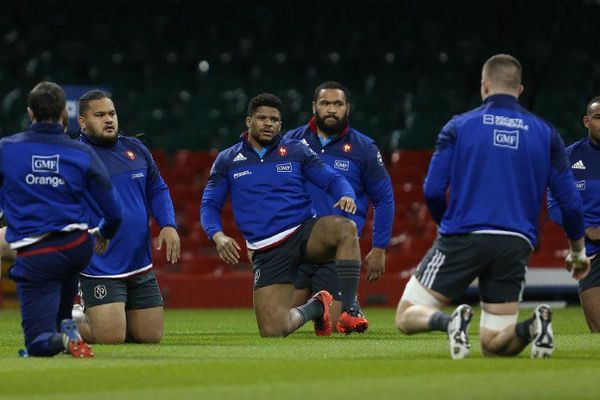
{"type": "Point", "coordinates": [182, 72]}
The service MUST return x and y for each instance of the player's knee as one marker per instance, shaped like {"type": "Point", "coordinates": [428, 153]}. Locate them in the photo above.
{"type": "Point", "coordinates": [109, 336]}
{"type": "Point", "coordinates": [346, 228]}
{"type": "Point", "coordinates": [402, 321]}
{"type": "Point", "coordinates": [273, 332]}
{"type": "Point", "coordinates": [148, 337]}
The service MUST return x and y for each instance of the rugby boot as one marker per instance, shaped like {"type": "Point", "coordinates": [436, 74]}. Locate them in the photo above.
{"type": "Point", "coordinates": [352, 321]}
{"type": "Point", "coordinates": [458, 327]}
{"type": "Point", "coordinates": [72, 340]}
{"type": "Point", "coordinates": [323, 325]}
{"type": "Point", "coordinates": [542, 344]}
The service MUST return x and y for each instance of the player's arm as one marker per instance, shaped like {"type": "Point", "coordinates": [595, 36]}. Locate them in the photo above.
{"type": "Point", "coordinates": [108, 200]}
{"type": "Point", "coordinates": [213, 199]}
{"type": "Point", "coordinates": [325, 178]}
{"type": "Point", "coordinates": [562, 187]}
{"type": "Point", "coordinates": [438, 176]}
{"type": "Point", "coordinates": [378, 186]}
{"type": "Point", "coordinates": [161, 207]}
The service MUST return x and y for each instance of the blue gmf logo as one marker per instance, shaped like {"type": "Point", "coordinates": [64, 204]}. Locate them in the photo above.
{"type": "Point", "coordinates": [580, 185]}
{"type": "Point", "coordinates": [45, 163]}
{"type": "Point", "coordinates": [285, 167]}
{"type": "Point", "coordinates": [508, 139]}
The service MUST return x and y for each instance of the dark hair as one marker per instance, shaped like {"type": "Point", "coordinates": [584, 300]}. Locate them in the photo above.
{"type": "Point", "coordinates": [97, 94]}
{"type": "Point", "coordinates": [503, 70]}
{"type": "Point", "coordinates": [47, 101]}
{"type": "Point", "coordinates": [588, 110]}
{"type": "Point", "coordinates": [264, 99]}
{"type": "Point", "coordinates": [331, 85]}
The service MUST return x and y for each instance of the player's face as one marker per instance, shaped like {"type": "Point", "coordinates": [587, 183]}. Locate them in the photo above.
{"type": "Point", "coordinates": [592, 123]}
{"type": "Point", "coordinates": [264, 125]}
{"type": "Point", "coordinates": [100, 121]}
{"type": "Point", "coordinates": [331, 111]}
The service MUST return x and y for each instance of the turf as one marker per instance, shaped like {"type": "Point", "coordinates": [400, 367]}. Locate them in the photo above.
{"type": "Point", "coordinates": [217, 354]}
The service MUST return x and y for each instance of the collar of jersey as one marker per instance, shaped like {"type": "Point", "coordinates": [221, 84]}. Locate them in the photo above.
{"type": "Point", "coordinates": [47, 127]}
{"type": "Point", "coordinates": [593, 145]}
{"type": "Point", "coordinates": [500, 99]}
{"type": "Point", "coordinates": [266, 149]}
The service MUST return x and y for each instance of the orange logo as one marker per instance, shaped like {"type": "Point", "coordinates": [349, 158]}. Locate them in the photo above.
{"type": "Point", "coordinates": [347, 148]}
{"type": "Point", "coordinates": [283, 151]}
{"type": "Point", "coordinates": [130, 154]}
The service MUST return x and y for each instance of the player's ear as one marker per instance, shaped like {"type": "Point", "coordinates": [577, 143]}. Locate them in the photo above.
{"type": "Point", "coordinates": [30, 113]}
{"type": "Point", "coordinates": [248, 122]}
{"type": "Point", "coordinates": [81, 122]}
{"type": "Point", "coordinates": [586, 121]}
{"type": "Point", "coordinates": [314, 107]}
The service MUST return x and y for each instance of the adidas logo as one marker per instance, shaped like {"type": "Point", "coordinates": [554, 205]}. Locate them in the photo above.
{"type": "Point", "coordinates": [578, 165]}
{"type": "Point", "coordinates": [239, 157]}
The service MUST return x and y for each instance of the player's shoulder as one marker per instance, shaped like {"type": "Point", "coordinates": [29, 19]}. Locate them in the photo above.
{"type": "Point", "coordinates": [578, 145]}
{"type": "Point", "coordinates": [133, 141]}
{"type": "Point", "coordinates": [361, 139]}
{"type": "Point", "coordinates": [297, 133]}
{"type": "Point", "coordinates": [228, 154]}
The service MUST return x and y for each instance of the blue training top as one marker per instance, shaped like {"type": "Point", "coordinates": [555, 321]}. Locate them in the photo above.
{"type": "Point", "coordinates": [136, 178]}
{"type": "Point", "coordinates": [497, 161]}
{"type": "Point", "coordinates": [44, 177]}
{"type": "Point", "coordinates": [268, 193]}
{"type": "Point", "coordinates": [584, 158]}
{"type": "Point", "coordinates": [356, 157]}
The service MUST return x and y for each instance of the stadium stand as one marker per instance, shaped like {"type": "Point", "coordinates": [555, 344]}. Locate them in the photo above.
{"type": "Point", "coordinates": [185, 79]}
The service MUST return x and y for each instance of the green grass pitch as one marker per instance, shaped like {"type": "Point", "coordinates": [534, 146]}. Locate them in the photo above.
{"type": "Point", "coordinates": [217, 354]}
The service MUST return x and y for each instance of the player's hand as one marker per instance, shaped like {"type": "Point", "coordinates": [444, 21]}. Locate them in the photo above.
{"type": "Point", "coordinates": [593, 233]}
{"type": "Point", "coordinates": [346, 204]}
{"type": "Point", "coordinates": [101, 243]}
{"type": "Point", "coordinates": [228, 248]}
{"type": "Point", "coordinates": [375, 264]}
{"type": "Point", "coordinates": [170, 237]}
{"type": "Point", "coordinates": [578, 264]}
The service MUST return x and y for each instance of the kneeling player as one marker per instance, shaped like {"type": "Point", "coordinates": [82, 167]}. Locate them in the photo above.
{"type": "Point", "coordinates": [266, 177]}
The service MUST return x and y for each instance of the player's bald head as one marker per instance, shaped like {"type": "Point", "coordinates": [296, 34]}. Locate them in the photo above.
{"type": "Point", "coordinates": [593, 106]}
{"type": "Point", "coordinates": [502, 71]}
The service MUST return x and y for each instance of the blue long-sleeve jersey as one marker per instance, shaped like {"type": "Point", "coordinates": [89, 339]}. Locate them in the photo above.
{"type": "Point", "coordinates": [136, 178]}
{"type": "Point", "coordinates": [44, 177]}
{"type": "Point", "coordinates": [356, 157]}
{"type": "Point", "coordinates": [497, 161]}
{"type": "Point", "coordinates": [268, 192]}
{"type": "Point", "coordinates": [584, 158]}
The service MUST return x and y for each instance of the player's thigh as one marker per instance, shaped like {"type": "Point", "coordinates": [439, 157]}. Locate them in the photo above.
{"type": "Point", "coordinates": [448, 267]}
{"type": "Point", "coordinates": [144, 309]}
{"type": "Point", "coordinates": [590, 301]}
{"type": "Point", "coordinates": [325, 236]}
{"type": "Point", "coordinates": [503, 280]}
{"type": "Point", "coordinates": [145, 325]}
{"type": "Point", "coordinates": [6, 253]}
{"type": "Point", "coordinates": [108, 323]}
{"type": "Point", "coordinates": [272, 305]}
{"type": "Point", "coordinates": [104, 302]}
